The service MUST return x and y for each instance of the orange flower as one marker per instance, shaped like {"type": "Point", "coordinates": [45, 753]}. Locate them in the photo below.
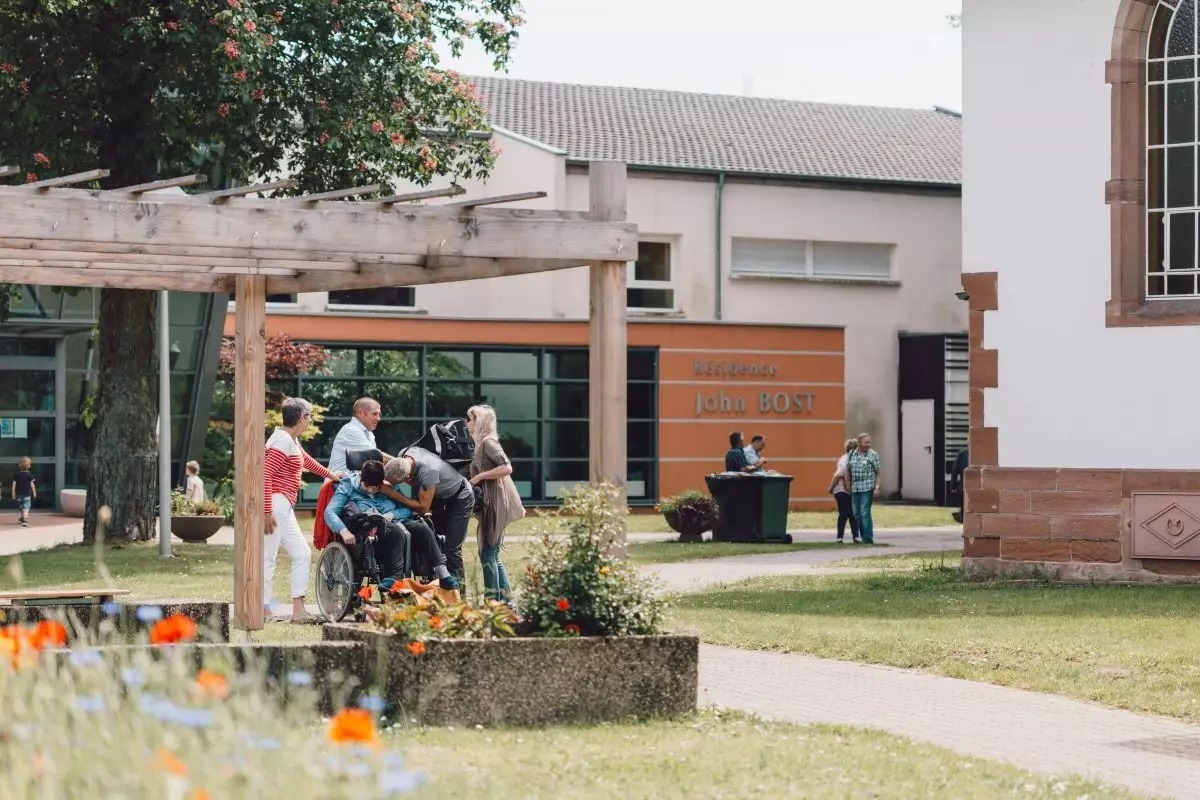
{"type": "Point", "coordinates": [175, 628]}
{"type": "Point", "coordinates": [572, 628]}
{"type": "Point", "coordinates": [49, 633]}
{"type": "Point", "coordinates": [562, 604]}
{"type": "Point", "coordinates": [201, 794]}
{"type": "Point", "coordinates": [436, 623]}
{"type": "Point", "coordinates": [416, 648]}
{"type": "Point", "coordinates": [353, 726]}
{"type": "Point", "coordinates": [365, 593]}
{"type": "Point", "coordinates": [212, 684]}
{"type": "Point", "coordinates": [165, 759]}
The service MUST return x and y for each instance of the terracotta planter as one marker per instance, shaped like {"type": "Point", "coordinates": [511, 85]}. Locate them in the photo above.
{"type": "Point", "coordinates": [196, 528]}
{"type": "Point", "coordinates": [73, 502]}
{"type": "Point", "coordinates": [690, 527]}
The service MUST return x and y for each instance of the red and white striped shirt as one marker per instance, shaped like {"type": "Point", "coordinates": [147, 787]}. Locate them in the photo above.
{"type": "Point", "coordinates": [284, 462]}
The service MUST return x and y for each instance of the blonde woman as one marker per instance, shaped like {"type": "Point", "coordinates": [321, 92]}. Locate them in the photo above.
{"type": "Point", "coordinates": [840, 489]}
{"type": "Point", "coordinates": [491, 472]}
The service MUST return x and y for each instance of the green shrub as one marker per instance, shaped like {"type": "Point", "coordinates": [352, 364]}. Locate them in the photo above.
{"type": "Point", "coordinates": [574, 586]}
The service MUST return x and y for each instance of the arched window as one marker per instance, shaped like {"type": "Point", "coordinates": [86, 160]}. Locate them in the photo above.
{"type": "Point", "coordinates": [1172, 139]}
{"type": "Point", "coordinates": [1154, 191]}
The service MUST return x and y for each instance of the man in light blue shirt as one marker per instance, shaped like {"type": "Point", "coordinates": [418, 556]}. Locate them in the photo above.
{"type": "Point", "coordinates": [357, 434]}
{"type": "Point", "coordinates": [754, 452]}
{"type": "Point", "coordinates": [361, 498]}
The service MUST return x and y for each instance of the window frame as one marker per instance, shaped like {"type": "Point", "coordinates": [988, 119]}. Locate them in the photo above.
{"type": "Point", "coordinates": [1126, 191]}
{"type": "Point", "coordinates": [631, 281]}
{"type": "Point", "coordinates": [374, 309]}
{"type": "Point", "coordinates": [809, 272]}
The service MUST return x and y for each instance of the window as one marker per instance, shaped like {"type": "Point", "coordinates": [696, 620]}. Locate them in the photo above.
{"type": "Point", "coordinates": [780, 258]}
{"type": "Point", "coordinates": [281, 298]}
{"type": "Point", "coordinates": [1153, 193]}
{"type": "Point", "coordinates": [1171, 204]}
{"type": "Point", "coordinates": [650, 286]}
{"type": "Point", "coordinates": [539, 393]}
{"type": "Point", "coordinates": [387, 297]}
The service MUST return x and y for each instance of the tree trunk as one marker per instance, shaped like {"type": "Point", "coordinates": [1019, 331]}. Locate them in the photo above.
{"type": "Point", "coordinates": [124, 460]}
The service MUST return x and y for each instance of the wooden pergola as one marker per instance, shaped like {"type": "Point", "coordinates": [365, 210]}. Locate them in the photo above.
{"type": "Point", "coordinates": [53, 233]}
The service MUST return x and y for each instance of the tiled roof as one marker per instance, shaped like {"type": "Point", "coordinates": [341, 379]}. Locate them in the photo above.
{"type": "Point", "coordinates": [750, 135]}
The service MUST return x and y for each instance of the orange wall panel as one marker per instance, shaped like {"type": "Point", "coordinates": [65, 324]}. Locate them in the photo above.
{"type": "Point", "coordinates": [784, 440]}
{"type": "Point", "coordinates": [795, 403]}
{"type": "Point", "coordinates": [783, 367]}
{"type": "Point", "coordinates": [810, 482]}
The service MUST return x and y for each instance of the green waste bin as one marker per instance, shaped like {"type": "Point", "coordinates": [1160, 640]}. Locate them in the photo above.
{"type": "Point", "coordinates": [754, 507]}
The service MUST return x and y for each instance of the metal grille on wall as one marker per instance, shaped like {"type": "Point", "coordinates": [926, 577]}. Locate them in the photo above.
{"type": "Point", "coordinates": [958, 415]}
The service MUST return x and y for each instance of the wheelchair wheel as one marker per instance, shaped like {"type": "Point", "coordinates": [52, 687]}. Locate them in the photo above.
{"type": "Point", "coordinates": [336, 584]}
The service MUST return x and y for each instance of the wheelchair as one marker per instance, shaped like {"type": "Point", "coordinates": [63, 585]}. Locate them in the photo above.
{"type": "Point", "coordinates": [340, 574]}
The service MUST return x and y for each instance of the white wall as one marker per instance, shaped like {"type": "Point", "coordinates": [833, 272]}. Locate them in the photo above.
{"type": "Point", "coordinates": [1072, 393]}
{"type": "Point", "coordinates": [926, 264]}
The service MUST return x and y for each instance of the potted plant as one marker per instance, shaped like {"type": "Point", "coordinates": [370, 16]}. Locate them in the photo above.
{"type": "Point", "coordinates": [194, 522]}
{"type": "Point", "coordinates": [690, 514]}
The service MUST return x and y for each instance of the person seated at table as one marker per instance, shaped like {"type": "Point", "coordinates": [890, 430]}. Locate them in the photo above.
{"type": "Point", "coordinates": [735, 459]}
{"type": "Point", "coordinates": [360, 496]}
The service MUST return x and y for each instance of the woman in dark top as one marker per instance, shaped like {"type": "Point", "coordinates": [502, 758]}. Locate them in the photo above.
{"type": "Point", "coordinates": [491, 472]}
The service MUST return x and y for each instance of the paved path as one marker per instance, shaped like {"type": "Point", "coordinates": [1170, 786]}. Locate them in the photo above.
{"type": "Point", "coordinates": [690, 576]}
{"type": "Point", "coordinates": [1040, 732]}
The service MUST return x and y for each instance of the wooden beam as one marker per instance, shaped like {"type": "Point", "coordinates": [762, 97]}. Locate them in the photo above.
{"type": "Point", "coordinates": [608, 345]}
{"type": "Point", "coordinates": [249, 383]}
{"type": "Point", "coordinates": [136, 270]}
{"type": "Point", "coordinates": [500, 198]}
{"type": "Point", "coordinates": [133, 262]}
{"type": "Point", "coordinates": [221, 195]}
{"type": "Point", "coordinates": [67, 180]}
{"type": "Point", "coordinates": [427, 194]}
{"type": "Point", "coordinates": [103, 279]}
{"type": "Point", "coordinates": [227, 256]}
{"type": "Point", "coordinates": [9, 171]}
{"type": "Point", "coordinates": [340, 194]}
{"type": "Point", "coordinates": [436, 270]}
{"type": "Point", "coordinates": [154, 186]}
{"type": "Point", "coordinates": [310, 234]}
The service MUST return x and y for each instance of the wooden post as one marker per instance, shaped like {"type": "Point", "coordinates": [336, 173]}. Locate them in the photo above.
{"type": "Point", "coordinates": [249, 418]}
{"type": "Point", "coordinates": [607, 343]}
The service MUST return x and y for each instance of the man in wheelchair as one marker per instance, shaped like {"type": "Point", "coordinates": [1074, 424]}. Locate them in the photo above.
{"type": "Point", "coordinates": [359, 509]}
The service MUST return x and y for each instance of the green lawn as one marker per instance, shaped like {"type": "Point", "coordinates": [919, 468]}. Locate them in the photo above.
{"type": "Point", "coordinates": [904, 561]}
{"type": "Point", "coordinates": [1132, 647]}
{"type": "Point", "coordinates": [885, 516]}
{"type": "Point", "coordinates": [711, 756]}
{"type": "Point", "coordinates": [205, 571]}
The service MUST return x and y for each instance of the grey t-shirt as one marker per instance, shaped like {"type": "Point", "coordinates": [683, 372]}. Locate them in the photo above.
{"type": "Point", "coordinates": [430, 470]}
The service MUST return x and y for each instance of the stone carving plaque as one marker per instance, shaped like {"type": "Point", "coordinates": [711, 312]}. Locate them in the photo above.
{"type": "Point", "coordinates": [1166, 525]}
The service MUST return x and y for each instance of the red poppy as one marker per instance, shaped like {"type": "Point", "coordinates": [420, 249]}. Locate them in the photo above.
{"type": "Point", "coordinates": [562, 604]}
{"type": "Point", "coordinates": [365, 593]}
{"type": "Point", "coordinates": [173, 629]}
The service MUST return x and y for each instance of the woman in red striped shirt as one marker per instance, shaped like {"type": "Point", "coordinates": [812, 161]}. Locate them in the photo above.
{"type": "Point", "coordinates": [285, 463]}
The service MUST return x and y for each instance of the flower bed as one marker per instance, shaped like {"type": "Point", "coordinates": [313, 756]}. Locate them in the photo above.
{"type": "Point", "coordinates": [128, 619]}
{"type": "Point", "coordinates": [530, 680]}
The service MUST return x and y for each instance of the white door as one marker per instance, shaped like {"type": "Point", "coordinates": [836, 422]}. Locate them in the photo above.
{"type": "Point", "coordinates": [916, 431]}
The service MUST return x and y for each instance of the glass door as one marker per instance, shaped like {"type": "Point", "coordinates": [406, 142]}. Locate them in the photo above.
{"type": "Point", "coordinates": [29, 424]}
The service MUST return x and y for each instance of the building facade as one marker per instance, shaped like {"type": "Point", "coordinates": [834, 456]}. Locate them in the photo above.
{"type": "Point", "coordinates": [1080, 245]}
{"type": "Point", "coordinates": [795, 241]}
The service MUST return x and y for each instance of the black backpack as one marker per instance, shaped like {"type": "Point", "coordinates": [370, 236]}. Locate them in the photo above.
{"type": "Point", "coordinates": [449, 441]}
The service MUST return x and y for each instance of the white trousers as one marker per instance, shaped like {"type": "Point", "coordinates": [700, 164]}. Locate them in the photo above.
{"type": "Point", "coordinates": [288, 536]}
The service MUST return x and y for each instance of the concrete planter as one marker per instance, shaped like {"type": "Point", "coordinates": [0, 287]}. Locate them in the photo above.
{"type": "Point", "coordinates": [195, 528]}
{"type": "Point", "coordinates": [73, 502]}
{"type": "Point", "coordinates": [212, 619]}
{"type": "Point", "coordinates": [531, 681]}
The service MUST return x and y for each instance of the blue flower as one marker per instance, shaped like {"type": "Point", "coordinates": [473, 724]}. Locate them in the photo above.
{"type": "Point", "coordinates": [149, 613]}
{"type": "Point", "coordinates": [84, 658]}
{"type": "Point", "coordinates": [400, 781]}
{"type": "Point", "coordinates": [91, 704]}
{"type": "Point", "coordinates": [192, 717]}
{"type": "Point", "coordinates": [372, 702]}
{"type": "Point", "coordinates": [300, 678]}
{"type": "Point", "coordinates": [111, 609]}
{"type": "Point", "coordinates": [132, 676]}
{"type": "Point", "coordinates": [358, 770]}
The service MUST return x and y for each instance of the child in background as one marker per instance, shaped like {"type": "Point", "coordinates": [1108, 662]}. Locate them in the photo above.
{"type": "Point", "coordinates": [195, 486]}
{"type": "Point", "coordinates": [24, 488]}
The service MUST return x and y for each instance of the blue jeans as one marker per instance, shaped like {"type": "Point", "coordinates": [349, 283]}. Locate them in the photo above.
{"type": "Point", "coordinates": [860, 505]}
{"type": "Point", "coordinates": [495, 578]}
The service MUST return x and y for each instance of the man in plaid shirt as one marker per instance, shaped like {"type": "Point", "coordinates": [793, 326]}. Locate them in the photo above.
{"type": "Point", "coordinates": [863, 464]}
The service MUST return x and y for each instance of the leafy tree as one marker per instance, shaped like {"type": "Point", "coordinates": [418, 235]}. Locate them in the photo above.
{"type": "Point", "coordinates": [332, 92]}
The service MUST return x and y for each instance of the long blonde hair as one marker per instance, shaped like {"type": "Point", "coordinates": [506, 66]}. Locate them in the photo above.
{"type": "Point", "coordinates": [484, 418]}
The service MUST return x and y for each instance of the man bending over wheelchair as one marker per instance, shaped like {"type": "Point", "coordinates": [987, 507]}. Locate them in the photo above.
{"type": "Point", "coordinates": [359, 498]}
